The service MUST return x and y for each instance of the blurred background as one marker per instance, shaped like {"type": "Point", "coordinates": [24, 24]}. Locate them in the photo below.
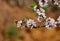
{"type": "Point", "coordinates": [12, 10]}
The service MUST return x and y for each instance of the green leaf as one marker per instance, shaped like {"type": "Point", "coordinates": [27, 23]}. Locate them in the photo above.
{"type": "Point", "coordinates": [33, 4]}
{"type": "Point", "coordinates": [45, 8]}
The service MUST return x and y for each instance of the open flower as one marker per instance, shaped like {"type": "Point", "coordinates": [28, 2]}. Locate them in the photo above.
{"type": "Point", "coordinates": [19, 23]}
{"type": "Point", "coordinates": [41, 17]}
{"type": "Point", "coordinates": [58, 20]}
{"type": "Point", "coordinates": [43, 4]}
{"type": "Point", "coordinates": [30, 23]}
{"type": "Point", "coordinates": [50, 23]}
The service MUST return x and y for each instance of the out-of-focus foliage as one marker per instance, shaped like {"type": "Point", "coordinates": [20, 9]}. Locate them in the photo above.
{"type": "Point", "coordinates": [11, 32]}
{"type": "Point", "coordinates": [32, 6]}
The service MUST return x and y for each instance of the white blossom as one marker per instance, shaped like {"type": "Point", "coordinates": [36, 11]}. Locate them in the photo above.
{"type": "Point", "coordinates": [58, 20]}
{"type": "Point", "coordinates": [41, 3]}
{"type": "Point", "coordinates": [50, 23]}
{"type": "Point", "coordinates": [39, 11]}
{"type": "Point", "coordinates": [41, 17]}
{"type": "Point", "coordinates": [19, 23]}
{"type": "Point", "coordinates": [30, 23]}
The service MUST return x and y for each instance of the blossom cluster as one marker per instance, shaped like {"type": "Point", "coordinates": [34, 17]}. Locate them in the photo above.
{"type": "Point", "coordinates": [45, 2]}
{"type": "Point", "coordinates": [48, 22]}
{"type": "Point", "coordinates": [30, 23]}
